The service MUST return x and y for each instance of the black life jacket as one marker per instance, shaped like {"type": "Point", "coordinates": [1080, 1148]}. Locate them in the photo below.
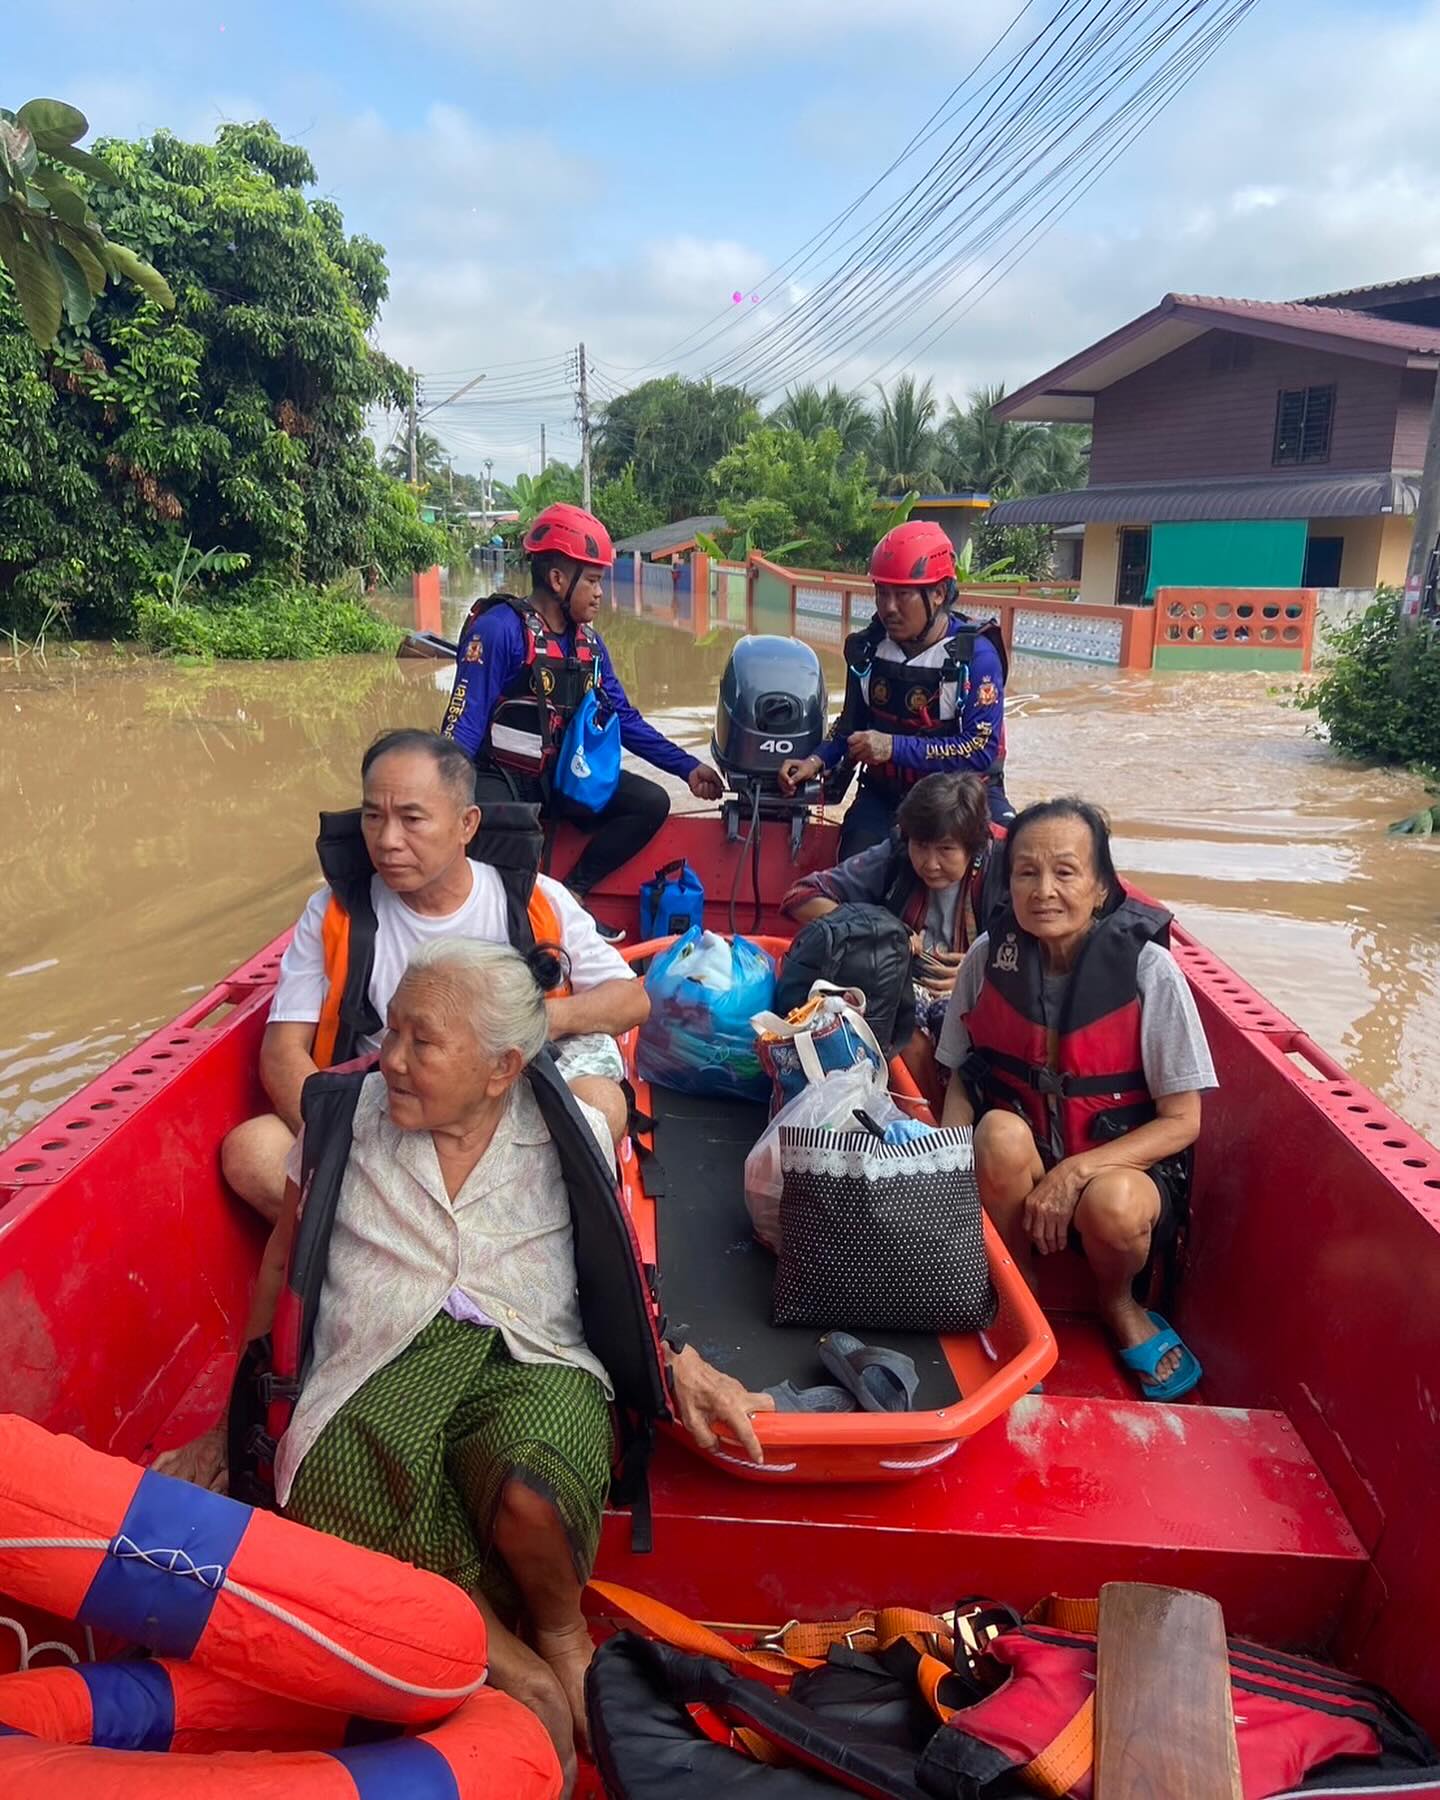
{"type": "Point", "coordinates": [616, 1291]}
{"type": "Point", "coordinates": [510, 840]}
{"type": "Point", "coordinates": [540, 698]}
{"type": "Point", "coordinates": [849, 1729]}
{"type": "Point", "coordinates": [907, 700]}
{"type": "Point", "coordinates": [1098, 1080]}
{"type": "Point", "coordinates": [856, 946]}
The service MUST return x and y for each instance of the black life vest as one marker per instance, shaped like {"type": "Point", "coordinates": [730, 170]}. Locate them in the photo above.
{"type": "Point", "coordinates": [907, 699]}
{"type": "Point", "coordinates": [670, 1726]}
{"type": "Point", "coordinates": [1098, 1080]}
{"type": "Point", "coordinates": [540, 698]}
{"type": "Point", "coordinates": [510, 840]}
{"type": "Point", "coordinates": [615, 1290]}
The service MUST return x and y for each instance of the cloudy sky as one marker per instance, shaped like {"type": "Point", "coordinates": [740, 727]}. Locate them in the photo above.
{"type": "Point", "coordinates": [617, 172]}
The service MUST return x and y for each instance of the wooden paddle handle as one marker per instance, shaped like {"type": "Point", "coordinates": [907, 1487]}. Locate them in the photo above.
{"type": "Point", "coordinates": [1164, 1714]}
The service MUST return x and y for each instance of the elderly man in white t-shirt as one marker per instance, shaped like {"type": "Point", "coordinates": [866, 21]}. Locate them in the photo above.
{"type": "Point", "coordinates": [417, 816]}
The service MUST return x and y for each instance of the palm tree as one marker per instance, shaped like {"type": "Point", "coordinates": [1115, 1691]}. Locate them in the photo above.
{"type": "Point", "coordinates": [806, 410]}
{"type": "Point", "coordinates": [1061, 460]}
{"type": "Point", "coordinates": [431, 457]}
{"type": "Point", "coordinates": [905, 445]}
{"type": "Point", "coordinates": [990, 455]}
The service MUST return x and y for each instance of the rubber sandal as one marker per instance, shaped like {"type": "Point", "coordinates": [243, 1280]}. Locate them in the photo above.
{"type": "Point", "coordinates": [1144, 1359]}
{"type": "Point", "coordinates": [881, 1380]}
{"type": "Point", "coordinates": [790, 1399]}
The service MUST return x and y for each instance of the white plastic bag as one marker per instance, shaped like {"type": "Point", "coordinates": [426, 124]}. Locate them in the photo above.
{"type": "Point", "coordinates": [827, 1104]}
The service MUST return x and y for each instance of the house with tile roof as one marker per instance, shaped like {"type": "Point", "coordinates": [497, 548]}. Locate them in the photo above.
{"type": "Point", "coordinates": [1245, 443]}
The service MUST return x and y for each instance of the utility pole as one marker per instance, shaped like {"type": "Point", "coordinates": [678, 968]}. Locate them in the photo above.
{"type": "Point", "coordinates": [489, 486]}
{"type": "Point", "coordinates": [411, 434]}
{"type": "Point", "coordinates": [584, 434]}
{"type": "Point", "coordinates": [542, 449]}
{"type": "Point", "coordinates": [1427, 521]}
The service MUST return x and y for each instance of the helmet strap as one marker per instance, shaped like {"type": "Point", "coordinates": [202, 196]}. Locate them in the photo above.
{"type": "Point", "coordinates": [932, 612]}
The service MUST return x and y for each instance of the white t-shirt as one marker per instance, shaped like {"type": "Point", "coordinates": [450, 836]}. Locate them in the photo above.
{"type": "Point", "coordinates": [300, 991]}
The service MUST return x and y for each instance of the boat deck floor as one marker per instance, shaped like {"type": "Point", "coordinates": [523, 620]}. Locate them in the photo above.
{"type": "Point", "coordinates": [1082, 1484]}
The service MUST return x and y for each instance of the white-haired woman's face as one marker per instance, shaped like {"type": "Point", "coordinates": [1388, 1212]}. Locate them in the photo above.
{"type": "Point", "coordinates": [437, 1073]}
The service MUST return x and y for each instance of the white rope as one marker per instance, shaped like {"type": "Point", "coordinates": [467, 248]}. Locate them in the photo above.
{"type": "Point", "coordinates": [177, 1562]}
{"type": "Point", "coordinates": [29, 1651]}
{"type": "Point", "coordinates": [349, 1656]}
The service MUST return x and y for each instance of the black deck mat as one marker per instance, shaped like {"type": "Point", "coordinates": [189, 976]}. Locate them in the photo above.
{"type": "Point", "coordinates": [715, 1278]}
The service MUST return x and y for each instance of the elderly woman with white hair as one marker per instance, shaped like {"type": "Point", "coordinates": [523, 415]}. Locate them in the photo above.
{"type": "Point", "coordinates": [452, 1413]}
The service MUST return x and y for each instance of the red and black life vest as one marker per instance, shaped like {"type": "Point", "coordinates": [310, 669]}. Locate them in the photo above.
{"type": "Point", "coordinates": [541, 697]}
{"type": "Point", "coordinates": [1291, 1715]}
{"type": "Point", "coordinates": [1096, 1077]}
{"type": "Point", "coordinates": [509, 841]}
{"type": "Point", "coordinates": [906, 698]}
{"type": "Point", "coordinates": [615, 1296]}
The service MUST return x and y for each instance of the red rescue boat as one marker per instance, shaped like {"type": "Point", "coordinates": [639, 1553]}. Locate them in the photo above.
{"type": "Point", "coordinates": [1296, 1485]}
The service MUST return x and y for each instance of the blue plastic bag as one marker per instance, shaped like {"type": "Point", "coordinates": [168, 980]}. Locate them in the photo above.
{"type": "Point", "coordinates": [588, 770]}
{"type": "Point", "coordinates": [698, 1039]}
{"type": "Point", "coordinates": [672, 902]}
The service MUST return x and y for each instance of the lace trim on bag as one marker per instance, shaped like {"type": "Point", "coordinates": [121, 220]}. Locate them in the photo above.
{"type": "Point", "coordinates": [810, 1151]}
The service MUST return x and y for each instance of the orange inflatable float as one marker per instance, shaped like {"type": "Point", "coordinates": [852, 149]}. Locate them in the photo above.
{"type": "Point", "coordinates": [492, 1748]}
{"type": "Point", "coordinates": [244, 1593]}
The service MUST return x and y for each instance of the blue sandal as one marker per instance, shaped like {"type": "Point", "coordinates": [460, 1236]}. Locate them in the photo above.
{"type": "Point", "coordinates": [1145, 1358]}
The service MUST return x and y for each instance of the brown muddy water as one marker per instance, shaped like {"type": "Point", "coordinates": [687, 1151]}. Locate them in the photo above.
{"type": "Point", "coordinates": [156, 828]}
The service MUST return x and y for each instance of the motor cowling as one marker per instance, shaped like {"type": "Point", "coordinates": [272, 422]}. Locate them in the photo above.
{"type": "Point", "coordinates": [771, 708]}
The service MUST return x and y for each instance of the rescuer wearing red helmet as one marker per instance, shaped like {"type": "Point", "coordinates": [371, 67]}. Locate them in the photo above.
{"type": "Point", "coordinates": [925, 689]}
{"type": "Point", "coordinates": [522, 668]}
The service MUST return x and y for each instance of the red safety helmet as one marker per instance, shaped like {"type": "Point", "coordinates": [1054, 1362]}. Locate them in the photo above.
{"type": "Point", "coordinates": [566, 530]}
{"type": "Point", "coordinates": [915, 554]}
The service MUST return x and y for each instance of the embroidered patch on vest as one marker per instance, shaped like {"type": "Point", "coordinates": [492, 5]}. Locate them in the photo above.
{"type": "Point", "coordinates": [1007, 957]}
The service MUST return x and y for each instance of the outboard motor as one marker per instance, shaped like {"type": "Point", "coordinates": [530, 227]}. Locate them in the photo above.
{"type": "Point", "coordinates": [772, 708]}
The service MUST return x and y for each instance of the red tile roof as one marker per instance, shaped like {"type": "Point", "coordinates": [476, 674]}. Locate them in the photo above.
{"type": "Point", "coordinates": [1329, 321]}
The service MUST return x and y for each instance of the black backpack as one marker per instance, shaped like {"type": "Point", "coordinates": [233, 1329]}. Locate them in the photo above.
{"type": "Point", "coordinates": [856, 946]}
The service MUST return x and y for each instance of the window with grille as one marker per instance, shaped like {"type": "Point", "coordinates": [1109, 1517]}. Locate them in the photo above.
{"type": "Point", "coordinates": [1303, 417]}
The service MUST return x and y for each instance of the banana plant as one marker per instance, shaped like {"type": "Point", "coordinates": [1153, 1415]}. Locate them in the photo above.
{"type": "Point", "coordinates": [742, 543]}
{"type": "Point", "coordinates": [1426, 822]}
{"type": "Point", "coordinates": [50, 241]}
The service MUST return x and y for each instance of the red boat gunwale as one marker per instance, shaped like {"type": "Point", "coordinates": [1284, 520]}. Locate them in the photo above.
{"type": "Point", "coordinates": [1300, 1491]}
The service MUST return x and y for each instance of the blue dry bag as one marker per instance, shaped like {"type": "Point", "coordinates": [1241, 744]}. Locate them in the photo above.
{"type": "Point", "coordinates": [588, 770]}
{"type": "Point", "coordinates": [698, 1039]}
{"type": "Point", "coordinates": [672, 902]}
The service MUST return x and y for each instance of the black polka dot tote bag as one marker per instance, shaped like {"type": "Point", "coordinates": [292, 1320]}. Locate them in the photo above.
{"type": "Point", "coordinates": [877, 1236]}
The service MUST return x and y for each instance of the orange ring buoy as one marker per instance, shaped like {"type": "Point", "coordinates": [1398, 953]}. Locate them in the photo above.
{"type": "Point", "coordinates": [194, 1575]}
{"type": "Point", "coordinates": [492, 1748]}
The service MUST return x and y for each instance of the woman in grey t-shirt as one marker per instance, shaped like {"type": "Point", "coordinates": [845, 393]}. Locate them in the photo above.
{"type": "Point", "coordinates": [1074, 1029]}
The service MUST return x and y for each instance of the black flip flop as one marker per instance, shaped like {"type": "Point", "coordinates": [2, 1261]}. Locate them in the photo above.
{"type": "Point", "coordinates": [881, 1380]}
{"type": "Point", "coordinates": [790, 1399]}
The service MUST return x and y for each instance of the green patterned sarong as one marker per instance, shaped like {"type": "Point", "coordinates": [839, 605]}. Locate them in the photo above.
{"type": "Point", "coordinates": [414, 1463]}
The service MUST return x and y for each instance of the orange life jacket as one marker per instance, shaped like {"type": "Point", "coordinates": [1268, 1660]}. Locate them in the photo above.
{"type": "Point", "coordinates": [509, 840]}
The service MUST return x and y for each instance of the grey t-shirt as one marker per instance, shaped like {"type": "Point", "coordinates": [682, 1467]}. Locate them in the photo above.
{"type": "Point", "coordinates": [1173, 1051]}
{"type": "Point", "coordinates": [940, 917]}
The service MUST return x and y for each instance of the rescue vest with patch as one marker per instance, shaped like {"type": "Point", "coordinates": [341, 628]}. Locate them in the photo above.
{"type": "Point", "coordinates": [540, 698]}
{"type": "Point", "coordinates": [1094, 1075]}
{"type": "Point", "coordinates": [908, 699]}
{"type": "Point", "coordinates": [509, 841]}
{"type": "Point", "coordinates": [616, 1310]}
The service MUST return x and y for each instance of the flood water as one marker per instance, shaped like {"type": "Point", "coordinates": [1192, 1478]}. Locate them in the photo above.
{"type": "Point", "coordinates": [157, 823]}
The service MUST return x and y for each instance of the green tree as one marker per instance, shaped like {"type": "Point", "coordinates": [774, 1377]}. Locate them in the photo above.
{"type": "Point", "coordinates": [531, 494]}
{"type": "Point", "coordinates": [51, 244]}
{"type": "Point", "coordinates": [1005, 457]}
{"type": "Point", "coordinates": [622, 509]}
{"type": "Point", "coordinates": [672, 432]}
{"type": "Point", "coordinates": [806, 409]}
{"type": "Point", "coordinates": [1061, 460]}
{"type": "Point", "coordinates": [431, 458]}
{"type": "Point", "coordinates": [237, 421]}
{"type": "Point", "coordinates": [781, 486]}
{"type": "Point", "coordinates": [905, 447]}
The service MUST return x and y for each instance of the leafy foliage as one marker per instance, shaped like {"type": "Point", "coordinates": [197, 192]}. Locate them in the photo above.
{"type": "Point", "coordinates": [780, 486]}
{"type": "Point", "coordinates": [1005, 457]}
{"type": "Point", "coordinates": [270, 619]}
{"type": "Point", "coordinates": [50, 242]}
{"type": "Point", "coordinates": [622, 509]}
{"type": "Point", "coordinates": [805, 409]}
{"type": "Point", "coordinates": [1027, 549]}
{"type": "Point", "coordinates": [672, 432]}
{"type": "Point", "coordinates": [236, 420]}
{"type": "Point", "coordinates": [1380, 696]}
{"type": "Point", "coordinates": [905, 446]}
